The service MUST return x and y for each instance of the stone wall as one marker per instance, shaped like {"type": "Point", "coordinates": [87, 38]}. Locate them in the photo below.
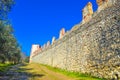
{"type": "Point", "coordinates": [94, 47]}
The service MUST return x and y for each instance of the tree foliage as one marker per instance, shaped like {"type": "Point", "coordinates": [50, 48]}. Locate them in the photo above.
{"type": "Point", "coordinates": [5, 7]}
{"type": "Point", "coordinates": [9, 47]}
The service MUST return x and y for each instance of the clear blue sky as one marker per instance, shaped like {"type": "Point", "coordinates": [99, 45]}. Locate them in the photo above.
{"type": "Point", "coordinates": [37, 21]}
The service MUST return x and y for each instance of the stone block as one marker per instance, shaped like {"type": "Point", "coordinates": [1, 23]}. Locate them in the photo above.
{"type": "Point", "coordinates": [48, 43]}
{"type": "Point", "coordinates": [53, 40]}
{"type": "Point", "coordinates": [62, 33]}
{"type": "Point", "coordinates": [87, 12]}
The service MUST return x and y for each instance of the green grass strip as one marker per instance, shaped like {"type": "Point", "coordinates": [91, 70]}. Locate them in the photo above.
{"type": "Point", "coordinates": [77, 75]}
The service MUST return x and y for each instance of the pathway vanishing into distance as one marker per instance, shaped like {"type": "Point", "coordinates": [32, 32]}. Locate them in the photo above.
{"type": "Point", "coordinates": [32, 72]}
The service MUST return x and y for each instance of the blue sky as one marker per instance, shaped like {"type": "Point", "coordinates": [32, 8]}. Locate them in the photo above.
{"type": "Point", "coordinates": [37, 21]}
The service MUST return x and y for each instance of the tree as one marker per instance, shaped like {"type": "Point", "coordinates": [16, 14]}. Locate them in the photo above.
{"type": "Point", "coordinates": [9, 47]}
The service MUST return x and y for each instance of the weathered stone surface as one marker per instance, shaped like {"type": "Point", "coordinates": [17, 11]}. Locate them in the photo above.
{"type": "Point", "coordinates": [53, 40]}
{"type": "Point", "coordinates": [87, 13]}
{"type": "Point", "coordinates": [48, 43]}
{"type": "Point", "coordinates": [75, 27]}
{"type": "Point", "coordinates": [102, 4]}
{"type": "Point", "coordinates": [94, 47]}
{"type": "Point", "coordinates": [35, 47]}
{"type": "Point", "coordinates": [62, 33]}
{"type": "Point", "coordinates": [44, 46]}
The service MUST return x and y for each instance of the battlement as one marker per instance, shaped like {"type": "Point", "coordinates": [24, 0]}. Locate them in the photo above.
{"type": "Point", "coordinates": [103, 4]}
{"type": "Point", "coordinates": [87, 14]}
{"type": "Point", "coordinates": [62, 33]}
{"type": "Point", "coordinates": [90, 46]}
{"type": "Point", "coordinates": [53, 40]}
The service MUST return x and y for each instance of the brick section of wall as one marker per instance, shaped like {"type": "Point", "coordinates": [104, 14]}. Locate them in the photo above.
{"type": "Point", "coordinates": [93, 48]}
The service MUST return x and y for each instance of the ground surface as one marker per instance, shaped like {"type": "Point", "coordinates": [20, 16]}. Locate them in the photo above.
{"type": "Point", "coordinates": [32, 72]}
{"type": "Point", "coordinates": [37, 72]}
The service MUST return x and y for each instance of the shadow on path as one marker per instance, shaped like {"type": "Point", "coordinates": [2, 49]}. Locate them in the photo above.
{"type": "Point", "coordinates": [18, 73]}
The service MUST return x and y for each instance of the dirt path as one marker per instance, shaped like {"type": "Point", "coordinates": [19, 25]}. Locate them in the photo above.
{"type": "Point", "coordinates": [50, 75]}
{"type": "Point", "coordinates": [32, 72]}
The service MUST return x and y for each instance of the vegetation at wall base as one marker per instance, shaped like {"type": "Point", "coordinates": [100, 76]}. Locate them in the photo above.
{"type": "Point", "coordinates": [77, 75]}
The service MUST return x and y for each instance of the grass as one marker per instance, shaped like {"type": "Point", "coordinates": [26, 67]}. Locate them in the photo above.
{"type": "Point", "coordinates": [77, 75]}
{"type": "Point", "coordinates": [5, 67]}
{"type": "Point", "coordinates": [30, 70]}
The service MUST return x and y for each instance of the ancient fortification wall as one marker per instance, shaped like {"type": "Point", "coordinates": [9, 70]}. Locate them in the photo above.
{"type": "Point", "coordinates": [90, 47]}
